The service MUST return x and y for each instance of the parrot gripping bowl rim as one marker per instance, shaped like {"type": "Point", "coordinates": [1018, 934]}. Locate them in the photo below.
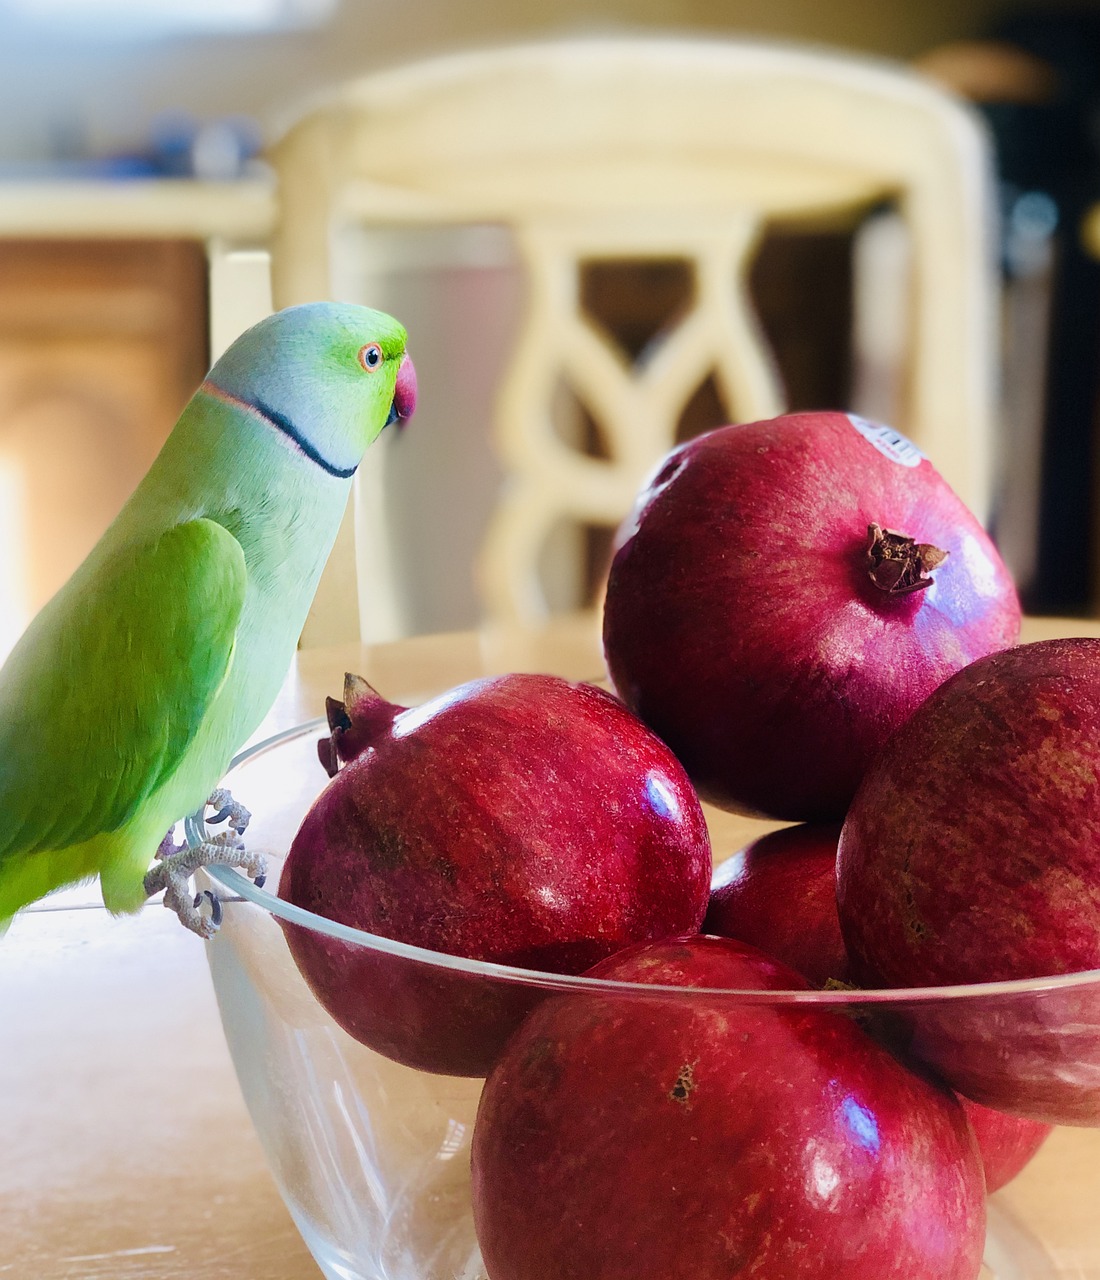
{"type": "Point", "coordinates": [372, 1156]}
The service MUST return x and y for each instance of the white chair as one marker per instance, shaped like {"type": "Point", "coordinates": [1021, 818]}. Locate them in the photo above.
{"type": "Point", "coordinates": [640, 148]}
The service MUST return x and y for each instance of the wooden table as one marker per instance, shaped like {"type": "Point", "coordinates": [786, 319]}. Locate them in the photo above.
{"type": "Point", "coordinates": [126, 1150]}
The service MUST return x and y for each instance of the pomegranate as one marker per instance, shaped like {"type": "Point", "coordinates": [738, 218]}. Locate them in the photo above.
{"type": "Point", "coordinates": [971, 853]}
{"type": "Point", "coordinates": [779, 894]}
{"type": "Point", "coordinates": [1006, 1143]}
{"type": "Point", "coordinates": [520, 819]}
{"type": "Point", "coordinates": [785, 594]}
{"type": "Point", "coordinates": [698, 1137]}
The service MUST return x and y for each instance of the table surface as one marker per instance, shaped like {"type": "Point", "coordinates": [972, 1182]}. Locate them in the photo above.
{"type": "Point", "coordinates": [127, 1150]}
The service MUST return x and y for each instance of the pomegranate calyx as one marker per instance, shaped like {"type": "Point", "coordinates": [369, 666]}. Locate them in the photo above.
{"type": "Point", "coordinates": [898, 564]}
{"type": "Point", "coordinates": [358, 693]}
{"type": "Point", "coordinates": [354, 723]}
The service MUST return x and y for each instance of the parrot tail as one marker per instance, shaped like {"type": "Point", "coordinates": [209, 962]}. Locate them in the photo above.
{"type": "Point", "coordinates": [32, 876]}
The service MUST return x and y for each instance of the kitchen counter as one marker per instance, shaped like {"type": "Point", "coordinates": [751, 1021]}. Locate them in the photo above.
{"type": "Point", "coordinates": [80, 209]}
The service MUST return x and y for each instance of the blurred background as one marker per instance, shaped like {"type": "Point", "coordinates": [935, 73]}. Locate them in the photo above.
{"type": "Point", "coordinates": [133, 192]}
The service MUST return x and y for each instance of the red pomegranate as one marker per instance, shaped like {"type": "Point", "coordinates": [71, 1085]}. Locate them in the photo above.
{"type": "Point", "coordinates": [971, 854]}
{"type": "Point", "coordinates": [787, 593]}
{"type": "Point", "coordinates": [520, 819]}
{"type": "Point", "coordinates": [700, 1137]}
{"type": "Point", "coordinates": [779, 894]}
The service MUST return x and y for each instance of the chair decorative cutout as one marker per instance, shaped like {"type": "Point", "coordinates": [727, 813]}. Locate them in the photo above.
{"type": "Point", "coordinates": [634, 149]}
{"type": "Point", "coordinates": [638, 405]}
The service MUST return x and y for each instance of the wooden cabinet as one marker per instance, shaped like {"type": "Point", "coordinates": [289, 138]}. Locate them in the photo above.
{"type": "Point", "coordinates": [101, 344]}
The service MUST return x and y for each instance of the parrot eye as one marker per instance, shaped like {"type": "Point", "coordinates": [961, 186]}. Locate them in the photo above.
{"type": "Point", "coordinates": [370, 356]}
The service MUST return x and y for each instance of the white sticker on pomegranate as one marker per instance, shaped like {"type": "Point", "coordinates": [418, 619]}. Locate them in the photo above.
{"type": "Point", "coordinates": [888, 441]}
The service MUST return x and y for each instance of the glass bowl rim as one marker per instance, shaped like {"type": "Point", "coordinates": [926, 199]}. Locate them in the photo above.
{"type": "Point", "coordinates": [239, 885]}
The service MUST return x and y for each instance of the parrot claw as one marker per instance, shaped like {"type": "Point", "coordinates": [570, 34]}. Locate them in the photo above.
{"type": "Point", "coordinates": [215, 906]}
{"type": "Point", "coordinates": [174, 870]}
{"type": "Point", "coordinates": [226, 807]}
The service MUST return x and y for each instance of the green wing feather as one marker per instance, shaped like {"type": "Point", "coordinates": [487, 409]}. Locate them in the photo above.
{"type": "Point", "coordinates": [107, 689]}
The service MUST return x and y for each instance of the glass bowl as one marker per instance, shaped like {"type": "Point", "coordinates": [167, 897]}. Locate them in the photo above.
{"type": "Point", "coordinates": [373, 1157]}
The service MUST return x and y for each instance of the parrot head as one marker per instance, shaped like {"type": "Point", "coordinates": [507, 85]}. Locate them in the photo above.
{"type": "Point", "coordinates": [327, 375]}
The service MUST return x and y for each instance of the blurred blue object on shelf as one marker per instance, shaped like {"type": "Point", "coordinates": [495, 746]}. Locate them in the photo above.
{"type": "Point", "coordinates": [178, 146]}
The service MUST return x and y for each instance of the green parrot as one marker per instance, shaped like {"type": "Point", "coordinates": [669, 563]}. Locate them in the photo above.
{"type": "Point", "coordinates": [123, 702]}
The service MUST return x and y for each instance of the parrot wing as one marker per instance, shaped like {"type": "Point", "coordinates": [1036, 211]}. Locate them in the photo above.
{"type": "Point", "coordinates": [100, 704]}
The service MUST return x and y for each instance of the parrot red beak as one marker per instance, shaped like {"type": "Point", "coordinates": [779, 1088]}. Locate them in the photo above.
{"type": "Point", "coordinates": [404, 393]}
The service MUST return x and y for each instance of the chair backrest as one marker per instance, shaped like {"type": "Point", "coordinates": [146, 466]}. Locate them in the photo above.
{"type": "Point", "coordinates": [642, 148]}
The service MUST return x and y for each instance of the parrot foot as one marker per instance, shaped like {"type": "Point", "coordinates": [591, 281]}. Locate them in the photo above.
{"type": "Point", "coordinates": [174, 870]}
{"type": "Point", "coordinates": [226, 807]}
